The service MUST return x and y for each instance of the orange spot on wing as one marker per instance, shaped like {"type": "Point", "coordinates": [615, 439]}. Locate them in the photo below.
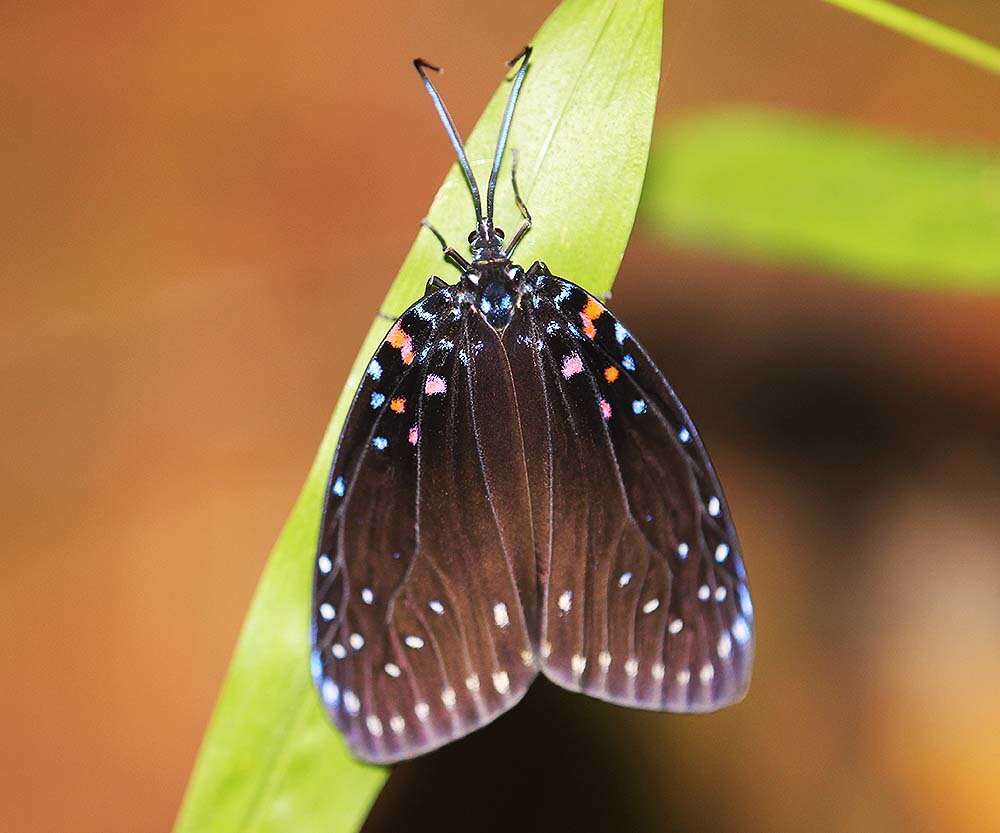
{"type": "Point", "coordinates": [611, 373]}
{"type": "Point", "coordinates": [398, 404]}
{"type": "Point", "coordinates": [397, 338]}
{"type": "Point", "coordinates": [593, 310]}
{"type": "Point", "coordinates": [589, 329]}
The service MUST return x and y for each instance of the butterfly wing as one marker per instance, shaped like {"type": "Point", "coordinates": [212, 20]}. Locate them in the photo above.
{"type": "Point", "coordinates": [644, 599]}
{"type": "Point", "coordinates": [425, 584]}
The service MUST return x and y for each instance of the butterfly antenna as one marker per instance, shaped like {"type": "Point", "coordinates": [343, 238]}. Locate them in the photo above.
{"type": "Point", "coordinates": [523, 56]}
{"type": "Point", "coordinates": [449, 127]}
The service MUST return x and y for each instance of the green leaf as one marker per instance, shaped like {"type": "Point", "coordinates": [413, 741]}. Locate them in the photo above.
{"type": "Point", "coordinates": [270, 760]}
{"type": "Point", "coordinates": [930, 32]}
{"type": "Point", "coordinates": [795, 188]}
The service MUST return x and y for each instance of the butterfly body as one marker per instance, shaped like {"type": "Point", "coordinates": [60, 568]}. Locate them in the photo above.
{"type": "Point", "coordinates": [517, 490]}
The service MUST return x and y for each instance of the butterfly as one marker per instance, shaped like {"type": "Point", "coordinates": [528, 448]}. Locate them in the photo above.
{"type": "Point", "coordinates": [518, 490]}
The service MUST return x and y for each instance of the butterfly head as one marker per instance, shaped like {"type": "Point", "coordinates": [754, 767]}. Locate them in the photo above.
{"type": "Point", "coordinates": [486, 242]}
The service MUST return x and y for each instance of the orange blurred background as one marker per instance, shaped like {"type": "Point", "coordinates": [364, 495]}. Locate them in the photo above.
{"type": "Point", "coordinates": [205, 204]}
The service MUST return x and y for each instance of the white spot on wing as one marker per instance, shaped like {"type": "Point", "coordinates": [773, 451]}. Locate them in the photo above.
{"type": "Point", "coordinates": [327, 611]}
{"type": "Point", "coordinates": [448, 697]}
{"type": "Point", "coordinates": [741, 633]}
{"type": "Point", "coordinates": [338, 650]}
{"type": "Point", "coordinates": [632, 667]}
{"type": "Point", "coordinates": [714, 507]}
{"type": "Point", "coordinates": [676, 626]}
{"type": "Point", "coordinates": [367, 596]}
{"type": "Point", "coordinates": [704, 592]}
{"type": "Point", "coordinates": [683, 676]}
{"type": "Point", "coordinates": [721, 552]}
{"type": "Point", "coordinates": [720, 594]}
{"type": "Point", "coordinates": [421, 710]}
{"type": "Point", "coordinates": [325, 564]}
{"type": "Point", "coordinates": [578, 664]}
{"type": "Point", "coordinates": [706, 674]}
{"type": "Point", "coordinates": [436, 606]}
{"type": "Point", "coordinates": [604, 660]}
{"type": "Point", "coordinates": [501, 682]}
{"type": "Point", "coordinates": [725, 646]}
{"type": "Point", "coordinates": [351, 702]}
{"type": "Point", "coordinates": [682, 550]}
{"type": "Point", "coordinates": [500, 615]}
{"type": "Point", "coordinates": [330, 692]}
{"type": "Point", "coordinates": [624, 579]}
{"type": "Point", "coordinates": [745, 604]}
{"type": "Point", "coordinates": [357, 641]}
{"type": "Point", "coordinates": [392, 669]}
{"type": "Point", "coordinates": [651, 605]}
{"type": "Point", "coordinates": [414, 642]}
{"type": "Point", "coordinates": [472, 682]}
{"type": "Point", "coordinates": [657, 670]}
{"type": "Point", "coordinates": [397, 724]}
{"type": "Point", "coordinates": [374, 725]}
{"type": "Point", "coordinates": [566, 601]}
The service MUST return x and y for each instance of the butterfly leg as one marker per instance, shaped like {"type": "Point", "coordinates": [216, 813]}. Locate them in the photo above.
{"type": "Point", "coordinates": [526, 222]}
{"type": "Point", "coordinates": [450, 254]}
{"type": "Point", "coordinates": [538, 268]}
{"type": "Point", "coordinates": [434, 283]}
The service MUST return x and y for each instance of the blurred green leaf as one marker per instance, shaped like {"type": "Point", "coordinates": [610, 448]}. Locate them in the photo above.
{"type": "Point", "coordinates": [270, 761]}
{"type": "Point", "coordinates": [930, 32]}
{"type": "Point", "coordinates": [792, 188]}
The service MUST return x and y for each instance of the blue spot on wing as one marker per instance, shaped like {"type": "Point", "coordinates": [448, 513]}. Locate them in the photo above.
{"type": "Point", "coordinates": [377, 399]}
{"type": "Point", "coordinates": [381, 443]}
{"type": "Point", "coordinates": [375, 370]}
{"type": "Point", "coordinates": [638, 406]}
{"type": "Point", "coordinates": [628, 362]}
{"type": "Point", "coordinates": [338, 487]}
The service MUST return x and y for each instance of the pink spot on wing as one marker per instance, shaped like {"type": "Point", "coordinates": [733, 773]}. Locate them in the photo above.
{"type": "Point", "coordinates": [414, 435]}
{"type": "Point", "coordinates": [571, 365]}
{"type": "Point", "coordinates": [605, 409]}
{"type": "Point", "coordinates": [435, 384]}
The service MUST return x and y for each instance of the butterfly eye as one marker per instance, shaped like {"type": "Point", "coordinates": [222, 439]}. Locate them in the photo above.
{"type": "Point", "coordinates": [499, 233]}
{"type": "Point", "coordinates": [472, 237]}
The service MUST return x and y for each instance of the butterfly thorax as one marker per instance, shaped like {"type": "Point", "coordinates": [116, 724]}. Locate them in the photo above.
{"type": "Point", "coordinates": [494, 286]}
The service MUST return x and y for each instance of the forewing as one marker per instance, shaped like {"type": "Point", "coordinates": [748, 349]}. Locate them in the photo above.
{"type": "Point", "coordinates": [425, 582]}
{"type": "Point", "coordinates": [645, 601]}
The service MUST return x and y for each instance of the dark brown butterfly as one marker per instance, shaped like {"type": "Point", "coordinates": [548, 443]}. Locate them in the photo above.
{"type": "Point", "coordinates": [518, 490]}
